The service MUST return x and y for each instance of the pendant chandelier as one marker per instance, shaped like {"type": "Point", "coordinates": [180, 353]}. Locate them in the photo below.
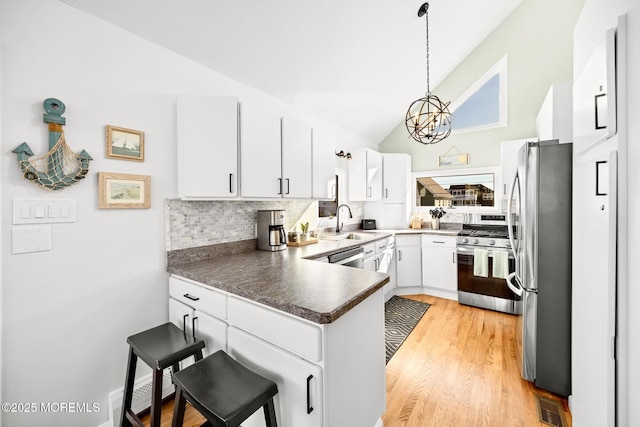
{"type": "Point", "coordinates": [428, 119]}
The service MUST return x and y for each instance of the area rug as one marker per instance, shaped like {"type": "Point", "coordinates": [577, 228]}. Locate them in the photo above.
{"type": "Point", "coordinates": [401, 315]}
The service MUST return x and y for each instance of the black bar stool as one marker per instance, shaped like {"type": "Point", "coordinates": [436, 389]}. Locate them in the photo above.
{"type": "Point", "coordinates": [225, 392]}
{"type": "Point", "coordinates": [160, 347]}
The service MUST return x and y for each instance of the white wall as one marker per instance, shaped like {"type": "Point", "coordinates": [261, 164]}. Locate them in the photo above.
{"type": "Point", "coordinates": [66, 313]}
{"type": "Point", "coordinates": [1, 240]}
{"type": "Point", "coordinates": [597, 17]}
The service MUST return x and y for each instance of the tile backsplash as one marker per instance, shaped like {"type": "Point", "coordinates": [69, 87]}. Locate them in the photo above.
{"type": "Point", "coordinates": [191, 224]}
{"type": "Point", "coordinates": [194, 223]}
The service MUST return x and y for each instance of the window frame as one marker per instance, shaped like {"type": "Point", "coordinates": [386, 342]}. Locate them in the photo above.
{"type": "Point", "coordinates": [497, 183]}
{"type": "Point", "coordinates": [501, 69]}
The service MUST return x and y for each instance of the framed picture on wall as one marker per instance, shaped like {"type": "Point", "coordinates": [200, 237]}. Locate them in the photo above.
{"type": "Point", "coordinates": [125, 144]}
{"type": "Point", "coordinates": [123, 191]}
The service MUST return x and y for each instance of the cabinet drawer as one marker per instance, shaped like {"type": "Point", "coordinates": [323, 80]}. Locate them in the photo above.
{"type": "Point", "coordinates": [382, 245]}
{"type": "Point", "coordinates": [368, 250]}
{"type": "Point", "coordinates": [199, 297]}
{"type": "Point", "coordinates": [297, 336]}
{"type": "Point", "coordinates": [441, 241]}
{"type": "Point", "coordinates": [409, 240]}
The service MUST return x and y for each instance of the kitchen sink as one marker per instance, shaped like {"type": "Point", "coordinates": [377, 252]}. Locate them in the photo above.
{"type": "Point", "coordinates": [345, 236]}
{"type": "Point", "coordinates": [358, 236]}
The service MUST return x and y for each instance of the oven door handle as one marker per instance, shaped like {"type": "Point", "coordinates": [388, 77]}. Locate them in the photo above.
{"type": "Point", "coordinates": [516, 288]}
{"type": "Point", "coordinates": [463, 250]}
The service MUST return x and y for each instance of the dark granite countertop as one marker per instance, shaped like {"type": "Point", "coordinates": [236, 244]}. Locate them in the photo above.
{"type": "Point", "coordinates": [285, 280]}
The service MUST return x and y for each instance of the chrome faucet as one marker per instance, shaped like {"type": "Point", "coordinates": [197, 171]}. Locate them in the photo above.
{"type": "Point", "coordinates": [338, 227]}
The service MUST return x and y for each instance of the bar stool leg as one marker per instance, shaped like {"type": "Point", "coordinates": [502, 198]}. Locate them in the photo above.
{"type": "Point", "coordinates": [178, 409]}
{"type": "Point", "coordinates": [128, 388]}
{"type": "Point", "coordinates": [270, 414]}
{"type": "Point", "coordinates": [156, 397]}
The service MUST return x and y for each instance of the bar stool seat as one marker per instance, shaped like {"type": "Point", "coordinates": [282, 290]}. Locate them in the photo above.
{"type": "Point", "coordinates": [225, 392]}
{"type": "Point", "coordinates": [160, 347]}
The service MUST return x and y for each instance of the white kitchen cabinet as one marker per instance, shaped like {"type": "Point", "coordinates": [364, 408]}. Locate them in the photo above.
{"type": "Point", "coordinates": [408, 260]}
{"type": "Point", "coordinates": [555, 118]}
{"type": "Point", "coordinates": [315, 366]}
{"type": "Point", "coordinates": [365, 175]}
{"type": "Point", "coordinates": [200, 311]}
{"type": "Point", "coordinates": [323, 164]}
{"type": "Point", "coordinates": [296, 159]}
{"type": "Point", "coordinates": [439, 268]}
{"type": "Point", "coordinates": [260, 152]}
{"type": "Point", "coordinates": [213, 331]}
{"type": "Point", "coordinates": [385, 261]}
{"type": "Point", "coordinates": [394, 209]}
{"type": "Point", "coordinates": [396, 173]}
{"type": "Point", "coordinates": [595, 260]}
{"type": "Point", "coordinates": [207, 146]}
{"type": "Point", "coordinates": [370, 261]}
{"type": "Point", "coordinates": [594, 97]}
{"type": "Point", "coordinates": [318, 368]}
{"type": "Point", "coordinates": [299, 401]}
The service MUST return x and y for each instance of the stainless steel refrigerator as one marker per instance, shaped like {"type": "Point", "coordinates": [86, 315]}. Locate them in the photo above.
{"type": "Point", "coordinates": [539, 217]}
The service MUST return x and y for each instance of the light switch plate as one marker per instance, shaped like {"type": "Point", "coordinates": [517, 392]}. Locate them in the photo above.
{"type": "Point", "coordinates": [43, 211]}
{"type": "Point", "coordinates": [32, 239]}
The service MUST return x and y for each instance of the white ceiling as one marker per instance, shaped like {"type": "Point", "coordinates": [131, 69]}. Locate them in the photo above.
{"type": "Point", "coordinates": [357, 64]}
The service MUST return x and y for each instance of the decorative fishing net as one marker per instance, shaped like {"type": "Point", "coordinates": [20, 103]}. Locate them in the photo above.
{"type": "Point", "coordinates": [58, 168]}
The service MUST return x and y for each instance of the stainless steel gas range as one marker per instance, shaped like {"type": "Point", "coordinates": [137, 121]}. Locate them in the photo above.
{"type": "Point", "coordinates": [484, 260]}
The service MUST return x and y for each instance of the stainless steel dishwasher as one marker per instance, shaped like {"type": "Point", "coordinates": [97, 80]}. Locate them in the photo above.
{"type": "Point", "coordinates": [351, 257]}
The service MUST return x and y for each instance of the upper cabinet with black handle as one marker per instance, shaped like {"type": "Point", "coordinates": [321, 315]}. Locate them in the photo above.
{"type": "Point", "coordinates": [594, 97]}
{"type": "Point", "coordinates": [207, 149]}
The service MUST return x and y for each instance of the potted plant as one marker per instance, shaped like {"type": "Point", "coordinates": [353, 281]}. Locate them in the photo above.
{"type": "Point", "coordinates": [436, 214]}
{"type": "Point", "coordinates": [304, 228]}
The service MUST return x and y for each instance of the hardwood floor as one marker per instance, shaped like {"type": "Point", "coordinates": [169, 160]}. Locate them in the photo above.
{"type": "Point", "coordinates": [192, 418]}
{"type": "Point", "coordinates": [457, 368]}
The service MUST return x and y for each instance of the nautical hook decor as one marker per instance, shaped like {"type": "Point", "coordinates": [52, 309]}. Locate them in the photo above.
{"type": "Point", "coordinates": [59, 167]}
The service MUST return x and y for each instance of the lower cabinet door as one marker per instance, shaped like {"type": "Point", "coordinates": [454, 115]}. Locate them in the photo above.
{"type": "Point", "coordinates": [439, 268]}
{"type": "Point", "coordinates": [409, 266]}
{"type": "Point", "coordinates": [299, 402]}
{"type": "Point", "coordinates": [180, 315]}
{"type": "Point", "coordinates": [213, 331]}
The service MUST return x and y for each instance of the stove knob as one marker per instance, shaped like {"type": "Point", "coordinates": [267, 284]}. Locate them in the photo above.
{"type": "Point", "coordinates": [492, 242]}
{"type": "Point", "coordinates": [507, 244]}
{"type": "Point", "coordinates": [465, 240]}
{"type": "Point", "coordinates": [475, 241]}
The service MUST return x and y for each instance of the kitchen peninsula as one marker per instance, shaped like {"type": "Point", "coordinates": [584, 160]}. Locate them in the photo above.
{"type": "Point", "coordinates": [314, 328]}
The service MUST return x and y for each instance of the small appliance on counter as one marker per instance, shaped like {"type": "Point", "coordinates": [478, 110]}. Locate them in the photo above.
{"type": "Point", "coordinates": [368, 224]}
{"type": "Point", "coordinates": [271, 234]}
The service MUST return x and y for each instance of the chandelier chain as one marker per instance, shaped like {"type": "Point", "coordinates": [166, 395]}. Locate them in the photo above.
{"type": "Point", "coordinates": [427, 33]}
{"type": "Point", "coordinates": [428, 119]}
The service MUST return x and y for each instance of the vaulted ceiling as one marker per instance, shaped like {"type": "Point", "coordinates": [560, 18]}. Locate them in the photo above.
{"type": "Point", "coordinates": [357, 64]}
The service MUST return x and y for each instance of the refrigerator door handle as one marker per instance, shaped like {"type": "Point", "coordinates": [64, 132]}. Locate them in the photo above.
{"type": "Point", "coordinates": [516, 288]}
{"type": "Point", "coordinates": [512, 240]}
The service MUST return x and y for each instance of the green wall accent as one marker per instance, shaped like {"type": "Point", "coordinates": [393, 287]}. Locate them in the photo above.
{"type": "Point", "coordinates": [538, 40]}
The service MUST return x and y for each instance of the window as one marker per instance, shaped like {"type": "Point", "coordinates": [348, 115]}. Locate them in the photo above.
{"type": "Point", "coordinates": [484, 104]}
{"type": "Point", "coordinates": [468, 189]}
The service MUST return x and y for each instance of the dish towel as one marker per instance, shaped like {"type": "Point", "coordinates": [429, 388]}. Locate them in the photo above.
{"type": "Point", "coordinates": [500, 264]}
{"type": "Point", "coordinates": [480, 262]}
